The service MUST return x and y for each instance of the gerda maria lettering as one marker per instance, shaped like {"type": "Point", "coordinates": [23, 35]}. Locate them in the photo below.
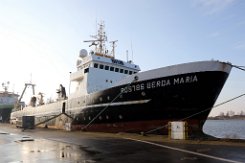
{"type": "Point", "coordinates": [159, 83]}
{"type": "Point", "coordinates": [184, 80]}
{"type": "Point", "coordinates": [147, 85]}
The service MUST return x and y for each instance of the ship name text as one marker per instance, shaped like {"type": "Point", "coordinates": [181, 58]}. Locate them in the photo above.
{"type": "Point", "coordinates": [116, 61]}
{"type": "Point", "coordinates": [160, 83]}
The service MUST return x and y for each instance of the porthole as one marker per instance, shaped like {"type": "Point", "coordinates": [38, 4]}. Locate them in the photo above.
{"type": "Point", "coordinates": [100, 117]}
{"type": "Point", "coordinates": [143, 93]}
{"type": "Point", "coordinates": [89, 118]}
{"type": "Point", "coordinates": [108, 97]}
{"type": "Point", "coordinates": [107, 117]}
{"type": "Point", "coordinates": [120, 117]}
{"type": "Point", "coordinates": [101, 99]}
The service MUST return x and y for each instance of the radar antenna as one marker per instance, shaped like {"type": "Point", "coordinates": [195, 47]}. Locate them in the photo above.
{"type": "Point", "coordinates": [99, 39]}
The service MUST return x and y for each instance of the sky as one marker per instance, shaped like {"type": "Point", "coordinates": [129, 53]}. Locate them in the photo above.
{"type": "Point", "coordinates": [40, 39]}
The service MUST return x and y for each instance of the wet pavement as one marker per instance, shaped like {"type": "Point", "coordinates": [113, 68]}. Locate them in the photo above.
{"type": "Point", "coordinates": [53, 146]}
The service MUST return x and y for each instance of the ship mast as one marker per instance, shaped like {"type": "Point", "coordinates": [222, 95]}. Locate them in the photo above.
{"type": "Point", "coordinates": [99, 40]}
{"type": "Point", "coordinates": [113, 47]}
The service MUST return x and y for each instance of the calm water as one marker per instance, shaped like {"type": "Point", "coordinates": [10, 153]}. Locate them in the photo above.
{"type": "Point", "coordinates": [234, 129]}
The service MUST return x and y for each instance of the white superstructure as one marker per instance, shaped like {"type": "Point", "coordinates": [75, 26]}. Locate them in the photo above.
{"type": "Point", "coordinates": [98, 70]}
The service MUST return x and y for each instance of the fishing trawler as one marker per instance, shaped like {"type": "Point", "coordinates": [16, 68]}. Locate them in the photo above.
{"type": "Point", "coordinates": [113, 95]}
{"type": "Point", "coordinates": [7, 102]}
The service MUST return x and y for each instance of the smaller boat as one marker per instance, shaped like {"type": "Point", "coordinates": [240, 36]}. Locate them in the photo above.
{"type": "Point", "coordinates": [7, 102]}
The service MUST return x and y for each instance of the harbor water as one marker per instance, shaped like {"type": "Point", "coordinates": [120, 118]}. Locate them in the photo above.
{"type": "Point", "coordinates": [231, 129]}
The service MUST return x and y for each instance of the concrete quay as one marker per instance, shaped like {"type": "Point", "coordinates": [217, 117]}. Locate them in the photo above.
{"type": "Point", "coordinates": [48, 145]}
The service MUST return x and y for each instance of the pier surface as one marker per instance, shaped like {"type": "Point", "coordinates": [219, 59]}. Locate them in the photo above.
{"type": "Point", "coordinates": [47, 145]}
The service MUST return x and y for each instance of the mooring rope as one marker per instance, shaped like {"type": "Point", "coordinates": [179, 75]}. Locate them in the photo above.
{"type": "Point", "coordinates": [118, 95]}
{"type": "Point", "coordinates": [161, 127]}
{"type": "Point", "coordinates": [239, 67]}
{"type": "Point", "coordinates": [54, 116]}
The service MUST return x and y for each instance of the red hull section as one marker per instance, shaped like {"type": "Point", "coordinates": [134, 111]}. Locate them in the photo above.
{"type": "Point", "coordinates": [153, 126]}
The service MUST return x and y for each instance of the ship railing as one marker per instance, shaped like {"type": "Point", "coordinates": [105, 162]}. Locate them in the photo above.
{"type": "Point", "coordinates": [11, 93]}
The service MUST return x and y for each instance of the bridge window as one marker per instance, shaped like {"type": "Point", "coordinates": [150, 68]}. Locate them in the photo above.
{"type": "Point", "coordinates": [111, 68]}
{"type": "Point", "coordinates": [130, 72]}
{"type": "Point", "coordinates": [106, 67]}
{"type": "Point", "coordinates": [101, 66]}
{"type": "Point", "coordinates": [116, 69]}
{"type": "Point", "coordinates": [126, 71]}
{"type": "Point", "coordinates": [95, 65]}
{"type": "Point", "coordinates": [121, 70]}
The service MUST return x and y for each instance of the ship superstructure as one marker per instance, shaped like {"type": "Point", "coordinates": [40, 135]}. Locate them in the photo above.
{"type": "Point", "coordinates": [99, 70]}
